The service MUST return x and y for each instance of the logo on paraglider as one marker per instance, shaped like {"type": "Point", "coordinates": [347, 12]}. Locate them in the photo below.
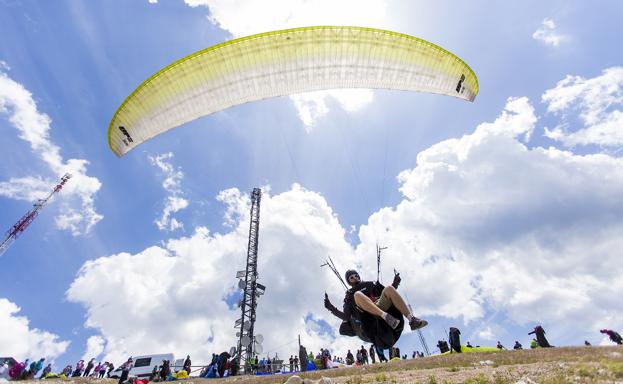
{"type": "Point", "coordinates": [125, 132]}
{"type": "Point", "coordinates": [460, 84]}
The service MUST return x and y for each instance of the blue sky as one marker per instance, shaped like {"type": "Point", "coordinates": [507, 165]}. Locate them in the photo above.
{"type": "Point", "coordinates": [500, 214]}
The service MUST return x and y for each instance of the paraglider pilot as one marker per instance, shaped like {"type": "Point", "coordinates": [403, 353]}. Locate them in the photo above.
{"type": "Point", "coordinates": [373, 312]}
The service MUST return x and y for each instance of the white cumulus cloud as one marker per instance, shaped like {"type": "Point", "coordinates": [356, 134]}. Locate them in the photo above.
{"type": "Point", "coordinates": [95, 347]}
{"type": "Point", "coordinates": [21, 341]}
{"type": "Point", "coordinates": [172, 185]}
{"type": "Point", "coordinates": [599, 101]}
{"type": "Point", "coordinates": [547, 33]}
{"type": "Point", "coordinates": [189, 287]}
{"type": "Point", "coordinates": [78, 214]}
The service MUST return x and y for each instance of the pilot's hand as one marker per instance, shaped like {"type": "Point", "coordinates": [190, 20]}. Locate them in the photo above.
{"type": "Point", "coordinates": [396, 281]}
{"type": "Point", "coordinates": [327, 303]}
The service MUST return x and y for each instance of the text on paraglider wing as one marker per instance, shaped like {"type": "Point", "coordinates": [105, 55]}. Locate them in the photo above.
{"type": "Point", "coordinates": [123, 130]}
{"type": "Point", "coordinates": [460, 84]}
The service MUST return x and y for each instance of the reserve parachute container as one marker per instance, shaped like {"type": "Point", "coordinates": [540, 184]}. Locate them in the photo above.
{"type": "Point", "coordinates": [281, 63]}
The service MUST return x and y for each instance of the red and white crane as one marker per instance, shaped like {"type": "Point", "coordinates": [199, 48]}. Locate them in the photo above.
{"type": "Point", "coordinates": [23, 223]}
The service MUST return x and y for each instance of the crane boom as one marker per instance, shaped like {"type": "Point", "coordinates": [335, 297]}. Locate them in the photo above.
{"type": "Point", "coordinates": [18, 228]}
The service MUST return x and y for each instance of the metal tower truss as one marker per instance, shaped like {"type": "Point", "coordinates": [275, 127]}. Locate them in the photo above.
{"type": "Point", "coordinates": [248, 344]}
{"type": "Point", "coordinates": [18, 228]}
{"type": "Point", "coordinates": [423, 342]}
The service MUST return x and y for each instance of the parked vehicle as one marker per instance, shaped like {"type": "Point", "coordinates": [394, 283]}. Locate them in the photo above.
{"type": "Point", "coordinates": [143, 365]}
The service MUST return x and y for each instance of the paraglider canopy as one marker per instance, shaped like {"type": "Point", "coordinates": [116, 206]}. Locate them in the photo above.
{"type": "Point", "coordinates": [281, 63]}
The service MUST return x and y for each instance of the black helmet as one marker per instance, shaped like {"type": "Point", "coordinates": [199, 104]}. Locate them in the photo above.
{"type": "Point", "coordinates": [349, 273]}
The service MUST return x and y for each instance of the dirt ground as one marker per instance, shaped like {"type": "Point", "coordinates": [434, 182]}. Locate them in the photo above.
{"type": "Point", "coordinates": [548, 366]}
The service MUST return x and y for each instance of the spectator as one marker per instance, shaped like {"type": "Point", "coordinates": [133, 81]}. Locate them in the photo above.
{"type": "Point", "coordinates": [455, 340]}
{"type": "Point", "coordinates": [539, 332]}
{"type": "Point", "coordinates": [443, 346]}
{"type": "Point", "coordinates": [36, 367]}
{"type": "Point", "coordinates": [223, 363]}
{"type": "Point", "coordinates": [291, 363]}
{"type": "Point", "coordinates": [587, 343]}
{"type": "Point", "coordinates": [165, 370]}
{"type": "Point", "coordinates": [500, 346]}
{"type": "Point", "coordinates": [46, 370]}
{"type": "Point", "coordinates": [111, 367]}
{"type": "Point", "coordinates": [372, 354]}
{"type": "Point", "coordinates": [364, 355]}
{"type": "Point", "coordinates": [350, 360]}
{"type": "Point", "coordinates": [103, 369]}
{"type": "Point", "coordinates": [380, 353]}
{"type": "Point", "coordinates": [303, 358]}
{"type": "Point", "coordinates": [517, 345]}
{"type": "Point", "coordinates": [154, 373]}
{"type": "Point", "coordinates": [187, 364]}
{"type": "Point", "coordinates": [534, 344]}
{"type": "Point", "coordinates": [67, 371]}
{"type": "Point", "coordinates": [468, 345]}
{"type": "Point", "coordinates": [125, 370]}
{"type": "Point", "coordinates": [90, 366]}
{"type": "Point", "coordinates": [79, 368]}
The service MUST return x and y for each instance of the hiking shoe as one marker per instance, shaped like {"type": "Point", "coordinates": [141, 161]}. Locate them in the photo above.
{"type": "Point", "coordinates": [416, 323]}
{"type": "Point", "coordinates": [391, 321]}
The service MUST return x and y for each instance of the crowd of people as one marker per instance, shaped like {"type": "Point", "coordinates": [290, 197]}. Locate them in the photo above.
{"type": "Point", "coordinates": [223, 365]}
{"type": "Point", "coordinates": [13, 370]}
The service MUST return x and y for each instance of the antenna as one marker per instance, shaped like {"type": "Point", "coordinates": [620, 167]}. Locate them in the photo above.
{"type": "Point", "coordinates": [18, 228]}
{"type": "Point", "coordinates": [248, 344]}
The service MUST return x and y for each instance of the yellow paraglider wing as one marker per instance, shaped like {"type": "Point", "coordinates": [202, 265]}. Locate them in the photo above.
{"type": "Point", "coordinates": [282, 63]}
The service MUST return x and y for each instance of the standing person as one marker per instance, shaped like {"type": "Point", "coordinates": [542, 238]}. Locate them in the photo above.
{"type": "Point", "coordinates": [96, 370]}
{"type": "Point", "coordinates": [303, 358]}
{"type": "Point", "coordinates": [111, 367]}
{"type": "Point", "coordinates": [36, 366]}
{"type": "Point", "coordinates": [381, 354]}
{"type": "Point", "coordinates": [613, 335]}
{"type": "Point", "coordinates": [90, 366]}
{"type": "Point", "coordinates": [373, 312]}
{"type": "Point", "coordinates": [125, 370]}
{"type": "Point", "coordinates": [79, 369]}
{"type": "Point", "coordinates": [291, 363]}
{"type": "Point", "coordinates": [165, 370]}
{"type": "Point", "coordinates": [187, 364]}
{"type": "Point", "coordinates": [46, 370]}
{"type": "Point", "coordinates": [539, 332]}
{"type": "Point", "coordinates": [222, 363]}
{"type": "Point", "coordinates": [296, 363]}
{"type": "Point", "coordinates": [103, 369]}
{"type": "Point", "coordinates": [326, 358]}
{"type": "Point", "coordinates": [455, 340]}
{"type": "Point", "coordinates": [372, 354]}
